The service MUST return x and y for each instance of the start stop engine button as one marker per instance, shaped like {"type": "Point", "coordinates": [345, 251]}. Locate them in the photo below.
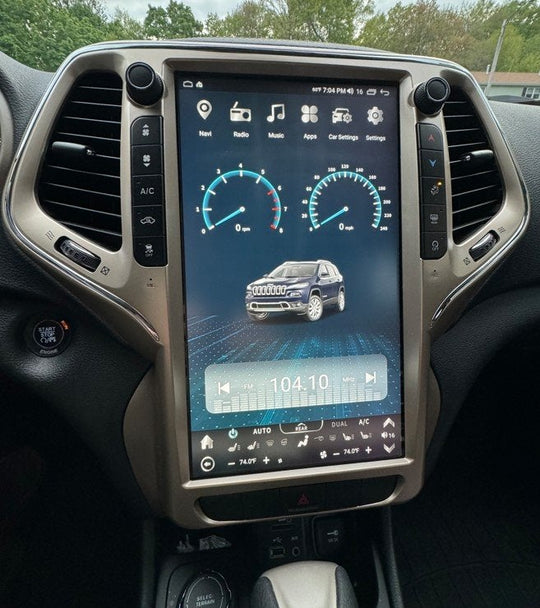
{"type": "Point", "coordinates": [207, 590]}
{"type": "Point", "coordinates": [47, 336]}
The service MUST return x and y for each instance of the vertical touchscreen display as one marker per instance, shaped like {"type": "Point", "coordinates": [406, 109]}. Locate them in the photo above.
{"type": "Point", "coordinates": [291, 262]}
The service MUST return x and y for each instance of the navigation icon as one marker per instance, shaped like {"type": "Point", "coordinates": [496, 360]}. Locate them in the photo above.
{"type": "Point", "coordinates": [389, 449]}
{"type": "Point", "coordinates": [204, 107]}
{"type": "Point", "coordinates": [388, 422]}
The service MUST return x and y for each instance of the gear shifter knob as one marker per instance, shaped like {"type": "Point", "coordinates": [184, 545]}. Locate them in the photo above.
{"type": "Point", "coordinates": [304, 585]}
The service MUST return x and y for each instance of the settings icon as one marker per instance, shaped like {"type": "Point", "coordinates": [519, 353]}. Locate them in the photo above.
{"type": "Point", "coordinates": [375, 116]}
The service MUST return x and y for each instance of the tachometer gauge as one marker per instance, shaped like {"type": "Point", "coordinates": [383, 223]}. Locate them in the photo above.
{"type": "Point", "coordinates": [346, 200]}
{"type": "Point", "coordinates": [241, 200]}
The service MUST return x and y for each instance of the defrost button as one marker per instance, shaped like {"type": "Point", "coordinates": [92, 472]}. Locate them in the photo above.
{"type": "Point", "coordinates": [148, 221]}
{"type": "Point", "coordinates": [434, 218]}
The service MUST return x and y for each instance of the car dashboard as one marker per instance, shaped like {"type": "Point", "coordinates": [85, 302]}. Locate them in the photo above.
{"type": "Point", "coordinates": [170, 188]}
{"type": "Point", "coordinates": [266, 305]}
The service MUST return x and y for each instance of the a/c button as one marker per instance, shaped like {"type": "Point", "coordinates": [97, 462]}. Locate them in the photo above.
{"type": "Point", "coordinates": [147, 190]}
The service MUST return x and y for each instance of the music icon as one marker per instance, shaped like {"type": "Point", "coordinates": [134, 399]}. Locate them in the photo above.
{"type": "Point", "coordinates": [276, 111]}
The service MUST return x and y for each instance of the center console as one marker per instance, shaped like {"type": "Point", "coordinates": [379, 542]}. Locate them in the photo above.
{"type": "Point", "coordinates": [281, 231]}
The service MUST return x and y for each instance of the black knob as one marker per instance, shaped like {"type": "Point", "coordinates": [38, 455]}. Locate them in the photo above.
{"type": "Point", "coordinates": [430, 96]}
{"type": "Point", "coordinates": [144, 86]}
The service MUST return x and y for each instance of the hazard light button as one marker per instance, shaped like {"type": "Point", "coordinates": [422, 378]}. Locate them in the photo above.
{"type": "Point", "coordinates": [304, 499]}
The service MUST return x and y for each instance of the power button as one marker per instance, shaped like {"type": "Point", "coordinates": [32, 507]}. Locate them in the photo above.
{"type": "Point", "coordinates": [47, 336]}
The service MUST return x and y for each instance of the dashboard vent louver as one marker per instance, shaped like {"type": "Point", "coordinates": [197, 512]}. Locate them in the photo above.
{"type": "Point", "coordinates": [79, 185]}
{"type": "Point", "coordinates": [476, 183]}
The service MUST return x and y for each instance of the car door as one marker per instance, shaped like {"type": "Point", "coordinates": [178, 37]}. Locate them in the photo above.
{"type": "Point", "coordinates": [326, 283]}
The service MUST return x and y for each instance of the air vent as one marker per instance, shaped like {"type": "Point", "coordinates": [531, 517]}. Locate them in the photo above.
{"type": "Point", "coordinates": [476, 183]}
{"type": "Point", "coordinates": [79, 184]}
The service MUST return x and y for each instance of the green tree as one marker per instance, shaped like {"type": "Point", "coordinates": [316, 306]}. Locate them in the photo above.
{"type": "Point", "coordinates": [320, 20]}
{"type": "Point", "coordinates": [123, 27]}
{"type": "Point", "coordinates": [335, 21]}
{"type": "Point", "coordinates": [521, 46]}
{"type": "Point", "coordinates": [41, 33]}
{"type": "Point", "coordinates": [250, 19]}
{"type": "Point", "coordinates": [174, 21]}
{"type": "Point", "coordinates": [422, 28]}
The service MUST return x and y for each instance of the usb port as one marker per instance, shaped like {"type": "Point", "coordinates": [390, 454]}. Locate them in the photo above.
{"type": "Point", "coordinates": [284, 523]}
{"type": "Point", "coordinates": [277, 552]}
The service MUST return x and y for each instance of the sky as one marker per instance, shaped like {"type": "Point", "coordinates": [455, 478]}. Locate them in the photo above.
{"type": "Point", "coordinates": [200, 8]}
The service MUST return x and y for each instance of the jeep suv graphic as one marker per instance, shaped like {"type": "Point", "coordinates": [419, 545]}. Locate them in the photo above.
{"type": "Point", "coordinates": [303, 288]}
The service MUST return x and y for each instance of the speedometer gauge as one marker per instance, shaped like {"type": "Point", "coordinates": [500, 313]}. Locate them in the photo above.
{"type": "Point", "coordinates": [345, 200]}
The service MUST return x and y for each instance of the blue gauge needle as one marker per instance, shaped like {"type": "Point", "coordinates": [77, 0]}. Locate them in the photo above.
{"type": "Point", "coordinates": [231, 215]}
{"type": "Point", "coordinates": [336, 214]}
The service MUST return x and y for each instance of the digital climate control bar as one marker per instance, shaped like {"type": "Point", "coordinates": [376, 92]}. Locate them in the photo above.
{"type": "Point", "coordinates": [290, 446]}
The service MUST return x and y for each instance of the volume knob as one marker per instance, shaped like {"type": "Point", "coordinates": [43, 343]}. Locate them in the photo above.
{"type": "Point", "coordinates": [430, 96]}
{"type": "Point", "coordinates": [144, 86]}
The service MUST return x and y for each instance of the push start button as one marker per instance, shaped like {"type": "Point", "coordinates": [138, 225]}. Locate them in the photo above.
{"type": "Point", "coordinates": [47, 336]}
{"type": "Point", "coordinates": [208, 590]}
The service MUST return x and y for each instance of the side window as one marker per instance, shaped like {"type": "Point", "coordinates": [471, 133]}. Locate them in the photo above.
{"type": "Point", "coordinates": [323, 271]}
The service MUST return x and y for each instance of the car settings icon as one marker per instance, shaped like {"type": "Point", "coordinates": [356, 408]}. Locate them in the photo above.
{"type": "Point", "coordinates": [303, 288]}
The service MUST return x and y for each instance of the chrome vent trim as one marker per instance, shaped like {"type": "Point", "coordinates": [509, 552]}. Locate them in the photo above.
{"type": "Point", "coordinates": [477, 190]}
{"type": "Point", "coordinates": [79, 184]}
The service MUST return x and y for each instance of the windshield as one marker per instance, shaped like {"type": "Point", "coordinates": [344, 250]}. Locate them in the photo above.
{"type": "Point", "coordinates": [498, 41]}
{"type": "Point", "coordinates": [290, 271]}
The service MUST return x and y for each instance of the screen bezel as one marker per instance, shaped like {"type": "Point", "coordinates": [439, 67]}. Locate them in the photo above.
{"type": "Point", "coordinates": [397, 211]}
{"type": "Point", "coordinates": [182, 491]}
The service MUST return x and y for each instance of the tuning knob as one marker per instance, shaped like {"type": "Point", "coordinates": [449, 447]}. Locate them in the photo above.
{"type": "Point", "coordinates": [430, 96]}
{"type": "Point", "coordinates": [144, 86]}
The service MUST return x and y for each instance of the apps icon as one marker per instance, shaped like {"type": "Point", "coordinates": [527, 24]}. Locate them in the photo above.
{"type": "Point", "coordinates": [310, 114]}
